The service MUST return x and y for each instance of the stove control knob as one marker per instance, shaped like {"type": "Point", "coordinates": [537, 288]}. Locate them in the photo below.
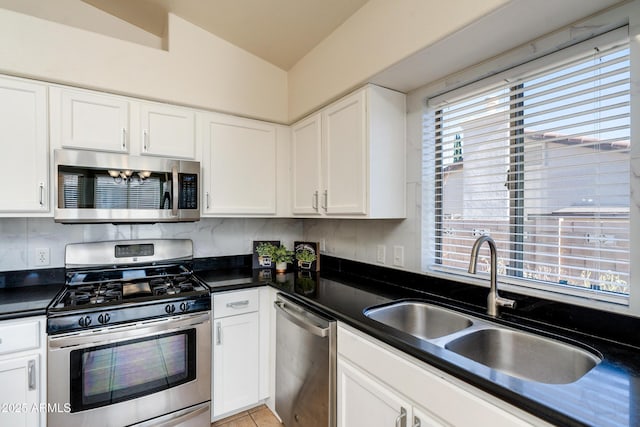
{"type": "Point", "coordinates": [184, 306]}
{"type": "Point", "coordinates": [85, 321]}
{"type": "Point", "coordinates": [170, 308]}
{"type": "Point", "coordinates": [104, 318]}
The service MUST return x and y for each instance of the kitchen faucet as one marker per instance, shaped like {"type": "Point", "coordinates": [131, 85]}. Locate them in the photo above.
{"type": "Point", "coordinates": [493, 300]}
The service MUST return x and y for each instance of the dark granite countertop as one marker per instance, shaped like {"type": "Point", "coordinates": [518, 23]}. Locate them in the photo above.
{"type": "Point", "coordinates": [28, 293]}
{"type": "Point", "coordinates": [608, 395]}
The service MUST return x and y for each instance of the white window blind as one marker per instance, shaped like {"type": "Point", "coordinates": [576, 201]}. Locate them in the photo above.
{"type": "Point", "coordinates": [540, 160]}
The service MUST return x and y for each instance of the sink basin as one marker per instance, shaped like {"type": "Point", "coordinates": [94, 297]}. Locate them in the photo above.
{"type": "Point", "coordinates": [419, 319]}
{"type": "Point", "coordinates": [525, 356]}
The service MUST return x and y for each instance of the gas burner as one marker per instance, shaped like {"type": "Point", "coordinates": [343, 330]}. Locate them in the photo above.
{"type": "Point", "coordinates": [78, 297]}
{"type": "Point", "coordinates": [186, 287]}
{"type": "Point", "coordinates": [165, 288]}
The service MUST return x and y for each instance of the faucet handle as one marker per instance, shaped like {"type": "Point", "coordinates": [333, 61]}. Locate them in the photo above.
{"type": "Point", "coordinates": [505, 302]}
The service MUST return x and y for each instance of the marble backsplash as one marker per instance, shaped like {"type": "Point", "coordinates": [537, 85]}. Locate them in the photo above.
{"type": "Point", "coordinates": [20, 237]}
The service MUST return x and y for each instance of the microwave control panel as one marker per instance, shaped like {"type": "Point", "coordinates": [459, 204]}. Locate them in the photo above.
{"type": "Point", "coordinates": [188, 191]}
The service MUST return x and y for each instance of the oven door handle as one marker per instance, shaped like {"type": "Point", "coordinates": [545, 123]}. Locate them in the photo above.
{"type": "Point", "coordinates": [115, 334]}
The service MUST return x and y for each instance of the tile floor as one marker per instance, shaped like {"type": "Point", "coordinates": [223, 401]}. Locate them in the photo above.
{"type": "Point", "coordinates": [259, 416]}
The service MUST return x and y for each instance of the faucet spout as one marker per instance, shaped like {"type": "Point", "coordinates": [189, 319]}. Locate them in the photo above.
{"type": "Point", "coordinates": [494, 300]}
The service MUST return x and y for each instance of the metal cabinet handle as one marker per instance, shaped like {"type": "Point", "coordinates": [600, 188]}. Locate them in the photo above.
{"type": "Point", "coordinates": [32, 374]}
{"type": "Point", "coordinates": [124, 139]}
{"type": "Point", "coordinates": [218, 333]}
{"type": "Point", "coordinates": [326, 200]}
{"type": "Point", "coordinates": [41, 190]}
{"type": "Point", "coordinates": [314, 203]}
{"type": "Point", "coordinates": [145, 140]}
{"type": "Point", "coordinates": [207, 198]}
{"type": "Point", "coordinates": [238, 304]}
{"type": "Point", "coordinates": [401, 420]}
{"type": "Point", "coordinates": [416, 422]}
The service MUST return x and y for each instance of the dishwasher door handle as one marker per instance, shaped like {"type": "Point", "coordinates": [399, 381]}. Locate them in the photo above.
{"type": "Point", "coordinates": [301, 321]}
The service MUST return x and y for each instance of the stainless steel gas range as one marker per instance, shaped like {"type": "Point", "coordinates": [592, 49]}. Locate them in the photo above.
{"type": "Point", "coordinates": [129, 337]}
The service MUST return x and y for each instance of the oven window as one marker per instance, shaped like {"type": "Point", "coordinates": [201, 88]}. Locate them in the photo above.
{"type": "Point", "coordinates": [116, 372]}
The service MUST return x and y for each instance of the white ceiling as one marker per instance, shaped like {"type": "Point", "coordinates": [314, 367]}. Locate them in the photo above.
{"type": "Point", "coordinates": [279, 31]}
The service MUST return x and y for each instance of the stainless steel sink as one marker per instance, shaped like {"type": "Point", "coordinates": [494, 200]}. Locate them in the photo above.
{"type": "Point", "coordinates": [525, 355]}
{"type": "Point", "coordinates": [420, 319]}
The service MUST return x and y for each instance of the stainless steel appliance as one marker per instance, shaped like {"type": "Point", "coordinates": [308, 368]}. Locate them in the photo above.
{"type": "Point", "coordinates": [94, 187]}
{"type": "Point", "coordinates": [129, 337]}
{"type": "Point", "coordinates": [305, 366]}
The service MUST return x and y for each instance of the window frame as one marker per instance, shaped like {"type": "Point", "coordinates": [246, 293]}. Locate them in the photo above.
{"type": "Point", "coordinates": [475, 79]}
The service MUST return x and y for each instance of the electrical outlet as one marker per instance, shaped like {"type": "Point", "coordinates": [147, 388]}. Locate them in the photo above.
{"type": "Point", "coordinates": [323, 245]}
{"type": "Point", "coordinates": [381, 254]}
{"type": "Point", "coordinates": [398, 256]}
{"type": "Point", "coordinates": [42, 256]}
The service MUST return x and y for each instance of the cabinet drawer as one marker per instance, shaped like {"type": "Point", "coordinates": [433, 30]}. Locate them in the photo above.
{"type": "Point", "coordinates": [235, 302]}
{"type": "Point", "coordinates": [21, 336]}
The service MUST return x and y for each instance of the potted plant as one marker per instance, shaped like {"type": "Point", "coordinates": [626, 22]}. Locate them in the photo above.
{"type": "Point", "coordinates": [264, 251]}
{"type": "Point", "coordinates": [280, 255]}
{"type": "Point", "coordinates": [305, 258]}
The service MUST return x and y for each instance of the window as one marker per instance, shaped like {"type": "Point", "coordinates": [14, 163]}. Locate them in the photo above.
{"type": "Point", "coordinates": [538, 157]}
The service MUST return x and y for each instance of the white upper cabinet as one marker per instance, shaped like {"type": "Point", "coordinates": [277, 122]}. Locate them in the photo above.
{"type": "Point", "coordinates": [306, 149]}
{"type": "Point", "coordinates": [167, 131]}
{"type": "Point", "coordinates": [90, 120]}
{"type": "Point", "coordinates": [239, 165]}
{"type": "Point", "coordinates": [348, 160]}
{"type": "Point", "coordinates": [345, 156]}
{"type": "Point", "coordinates": [24, 147]}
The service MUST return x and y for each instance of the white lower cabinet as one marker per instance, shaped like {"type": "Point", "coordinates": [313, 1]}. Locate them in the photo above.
{"type": "Point", "coordinates": [381, 386]}
{"type": "Point", "coordinates": [364, 401]}
{"type": "Point", "coordinates": [22, 362]}
{"type": "Point", "coordinates": [238, 352]}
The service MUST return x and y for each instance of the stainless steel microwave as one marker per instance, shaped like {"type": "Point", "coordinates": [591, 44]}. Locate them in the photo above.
{"type": "Point", "coordinates": [94, 187]}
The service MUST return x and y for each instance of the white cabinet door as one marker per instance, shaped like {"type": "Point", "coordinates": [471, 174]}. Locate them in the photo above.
{"type": "Point", "coordinates": [92, 121]}
{"type": "Point", "coordinates": [306, 182]}
{"type": "Point", "coordinates": [168, 131]}
{"type": "Point", "coordinates": [19, 391]}
{"type": "Point", "coordinates": [346, 156]}
{"type": "Point", "coordinates": [24, 148]}
{"type": "Point", "coordinates": [365, 402]}
{"type": "Point", "coordinates": [239, 166]}
{"type": "Point", "coordinates": [423, 418]}
{"type": "Point", "coordinates": [235, 362]}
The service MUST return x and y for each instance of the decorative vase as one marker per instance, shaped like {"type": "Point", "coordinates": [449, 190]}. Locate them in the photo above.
{"type": "Point", "coordinates": [281, 267]}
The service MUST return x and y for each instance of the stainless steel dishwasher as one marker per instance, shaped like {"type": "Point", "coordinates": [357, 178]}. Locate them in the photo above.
{"type": "Point", "coordinates": [305, 366]}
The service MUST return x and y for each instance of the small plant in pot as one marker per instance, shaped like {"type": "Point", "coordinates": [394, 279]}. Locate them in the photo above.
{"type": "Point", "coordinates": [281, 256]}
{"type": "Point", "coordinates": [305, 258]}
{"type": "Point", "coordinates": [264, 251]}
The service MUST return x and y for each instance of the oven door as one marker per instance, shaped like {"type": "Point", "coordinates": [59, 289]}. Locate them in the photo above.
{"type": "Point", "coordinates": [130, 374]}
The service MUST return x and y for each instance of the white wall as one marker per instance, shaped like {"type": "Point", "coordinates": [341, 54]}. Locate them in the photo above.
{"type": "Point", "coordinates": [21, 237]}
{"type": "Point", "coordinates": [378, 35]}
{"type": "Point", "coordinates": [198, 69]}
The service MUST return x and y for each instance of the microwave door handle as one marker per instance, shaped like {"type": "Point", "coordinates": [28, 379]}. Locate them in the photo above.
{"type": "Point", "coordinates": [174, 190]}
